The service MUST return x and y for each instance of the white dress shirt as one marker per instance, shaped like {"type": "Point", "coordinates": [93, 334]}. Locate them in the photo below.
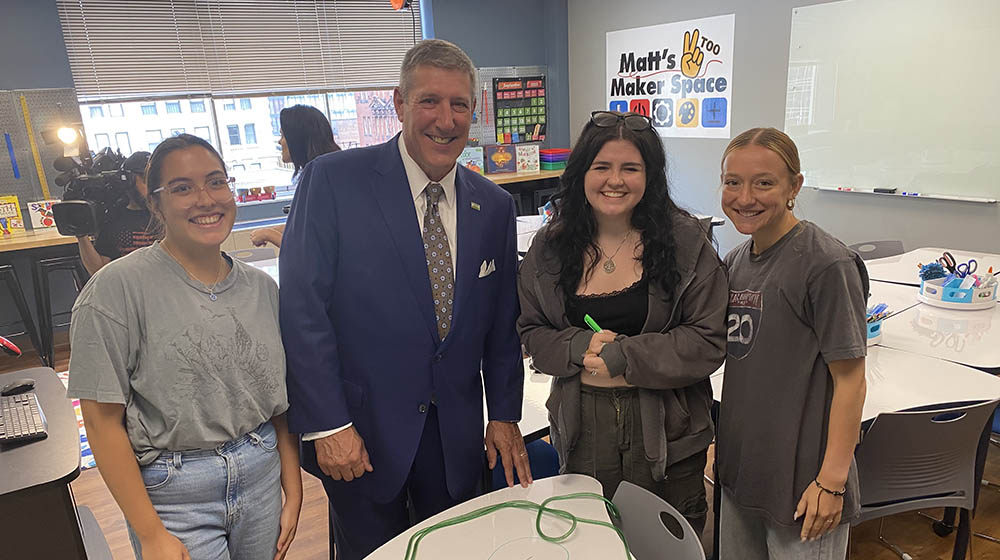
{"type": "Point", "coordinates": [447, 206]}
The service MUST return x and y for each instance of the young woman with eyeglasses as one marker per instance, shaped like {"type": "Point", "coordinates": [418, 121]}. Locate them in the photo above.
{"type": "Point", "coordinates": [178, 365]}
{"type": "Point", "coordinates": [632, 401]}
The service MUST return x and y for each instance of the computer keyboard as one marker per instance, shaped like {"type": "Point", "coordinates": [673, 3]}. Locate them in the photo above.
{"type": "Point", "coordinates": [21, 419]}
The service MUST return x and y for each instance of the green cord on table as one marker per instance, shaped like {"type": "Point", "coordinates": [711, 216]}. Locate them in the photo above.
{"type": "Point", "coordinates": [414, 542]}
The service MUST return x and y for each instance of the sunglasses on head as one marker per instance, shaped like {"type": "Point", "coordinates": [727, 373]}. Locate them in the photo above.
{"type": "Point", "coordinates": [633, 121]}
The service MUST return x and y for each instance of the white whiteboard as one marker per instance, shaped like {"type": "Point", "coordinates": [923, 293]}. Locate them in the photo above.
{"type": "Point", "coordinates": [897, 93]}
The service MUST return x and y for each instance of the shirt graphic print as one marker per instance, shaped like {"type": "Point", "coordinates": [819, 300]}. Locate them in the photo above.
{"type": "Point", "coordinates": [743, 321]}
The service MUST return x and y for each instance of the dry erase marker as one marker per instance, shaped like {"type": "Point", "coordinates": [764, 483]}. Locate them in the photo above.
{"type": "Point", "coordinates": [591, 323]}
{"type": "Point", "coordinates": [847, 189]}
{"type": "Point", "coordinates": [910, 193]}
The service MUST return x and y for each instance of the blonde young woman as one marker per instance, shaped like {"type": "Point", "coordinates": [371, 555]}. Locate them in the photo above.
{"type": "Point", "coordinates": [795, 370]}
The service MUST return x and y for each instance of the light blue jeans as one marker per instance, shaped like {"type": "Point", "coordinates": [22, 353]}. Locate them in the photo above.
{"type": "Point", "coordinates": [745, 535]}
{"type": "Point", "coordinates": [222, 503]}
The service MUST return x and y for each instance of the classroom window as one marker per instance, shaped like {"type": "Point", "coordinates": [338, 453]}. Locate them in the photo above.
{"type": "Point", "coordinates": [229, 106]}
{"type": "Point", "coordinates": [245, 104]}
{"type": "Point", "coordinates": [255, 165]}
{"type": "Point", "coordinates": [198, 106]}
{"type": "Point", "coordinates": [124, 144]}
{"type": "Point", "coordinates": [173, 106]}
{"type": "Point", "coordinates": [176, 131]}
{"type": "Point", "coordinates": [203, 132]}
{"type": "Point", "coordinates": [116, 110]}
{"type": "Point", "coordinates": [149, 109]}
{"type": "Point", "coordinates": [103, 141]}
{"type": "Point", "coordinates": [250, 133]}
{"type": "Point", "coordinates": [234, 134]}
{"type": "Point", "coordinates": [96, 111]}
{"type": "Point", "coordinates": [153, 139]}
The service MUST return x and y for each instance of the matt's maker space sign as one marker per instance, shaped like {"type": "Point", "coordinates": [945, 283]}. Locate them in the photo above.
{"type": "Point", "coordinates": [679, 74]}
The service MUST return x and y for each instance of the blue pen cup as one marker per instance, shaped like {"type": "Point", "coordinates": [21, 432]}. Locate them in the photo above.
{"type": "Point", "coordinates": [874, 331]}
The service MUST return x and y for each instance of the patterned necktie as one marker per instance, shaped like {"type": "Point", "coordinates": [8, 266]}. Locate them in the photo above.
{"type": "Point", "coordinates": [438, 254]}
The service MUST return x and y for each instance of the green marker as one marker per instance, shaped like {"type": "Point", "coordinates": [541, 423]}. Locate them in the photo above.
{"type": "Point", "coordinates": [591, 323]}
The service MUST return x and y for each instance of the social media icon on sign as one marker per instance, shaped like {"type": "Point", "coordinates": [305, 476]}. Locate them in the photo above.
{"type": "Point", "coordinates": [640, 106]}
{"type": "Point", "coordinates": [713, 112]}
{"type": "Point", "coordinates": [687, 113]}
{"type": "Point", "coordinates": [619, 106]}
{"type": "Point", "coordinates": [663, 113]}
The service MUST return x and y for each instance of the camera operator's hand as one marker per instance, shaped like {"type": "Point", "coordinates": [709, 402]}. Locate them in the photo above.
{"type": "Point", "coordinates": [92, 260]}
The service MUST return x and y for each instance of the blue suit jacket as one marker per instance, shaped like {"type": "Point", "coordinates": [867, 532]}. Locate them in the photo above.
{"type": "Point", "coordinates": [358, 323]}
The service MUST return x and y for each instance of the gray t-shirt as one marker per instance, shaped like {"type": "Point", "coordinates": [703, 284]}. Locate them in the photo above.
{"type": "Point", "coordinates": [793, 309]}
{"type": "Point", "coordinates": [192, 373]}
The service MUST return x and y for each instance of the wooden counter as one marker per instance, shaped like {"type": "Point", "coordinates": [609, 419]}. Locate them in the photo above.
{"type": "Point", "coordinates": [48, 237]}
{"type": "Point", "coordinates": [506, 178]}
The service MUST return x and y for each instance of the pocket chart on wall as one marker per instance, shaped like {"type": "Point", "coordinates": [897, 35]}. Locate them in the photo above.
{"type": "Point", "coordinates": [679, 74]}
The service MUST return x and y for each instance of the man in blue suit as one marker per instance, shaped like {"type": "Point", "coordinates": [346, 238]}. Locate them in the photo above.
{"type": "Point", "coordinates": [398, 305]}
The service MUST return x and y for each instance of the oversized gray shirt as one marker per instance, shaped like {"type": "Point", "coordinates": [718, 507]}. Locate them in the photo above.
{"type": "Point", "coordinates": [793, 309]}
{"type": "Point", "coordinates": [192, 373]}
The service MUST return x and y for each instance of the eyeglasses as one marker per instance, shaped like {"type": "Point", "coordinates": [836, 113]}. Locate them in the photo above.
{"type": "Point", "coordinates": [219, 188]}
{"type": "Point", "coordinates": [633, 121]}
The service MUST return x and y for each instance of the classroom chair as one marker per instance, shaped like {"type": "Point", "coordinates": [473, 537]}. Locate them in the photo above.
{"type": "Point", "coordinates": [653, 528]}
{"type": "Point", "coordinates": [17, 294]}
{"type": "Point", "coordinates": [922, 459]}
{"type": "Point", "coordinates": [255, 254]}
{"type": "Point", "coordinates": [877, 249]}
{"type": "Point", "coordinates": [43, 297]}
{"type": "Point", "coordinates": [542, 457]}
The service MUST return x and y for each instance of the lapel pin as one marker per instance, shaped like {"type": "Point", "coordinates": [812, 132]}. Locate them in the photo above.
{"type": "Point", "coordinates": [475, 206]}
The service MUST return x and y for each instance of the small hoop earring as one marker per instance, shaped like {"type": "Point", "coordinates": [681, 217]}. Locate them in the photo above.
{"type": "Point", "coordinates": [790, 204]}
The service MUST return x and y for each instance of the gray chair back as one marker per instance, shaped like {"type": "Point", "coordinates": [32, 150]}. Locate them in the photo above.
{"type": "Point", "coordinates": [924, 459]}
{"type": "Point", "coordinates": [642, 522]}
{"type": "Point", "coordinates": [877, 249]}
{"type": "Point", "coordinates": [255, 254]}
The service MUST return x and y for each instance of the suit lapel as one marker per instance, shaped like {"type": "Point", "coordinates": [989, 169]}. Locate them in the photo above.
{"type": "Point", "coordinates": [469, 228]}
{"type": "Point", "coordinates": [391, 190]}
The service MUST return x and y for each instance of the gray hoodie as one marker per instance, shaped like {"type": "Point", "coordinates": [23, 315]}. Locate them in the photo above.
{"type": "Point", "coordinates": [682, 343]}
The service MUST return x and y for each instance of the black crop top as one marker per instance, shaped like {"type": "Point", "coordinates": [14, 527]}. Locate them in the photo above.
{"type": "Point", "coordinates": [622, 311]}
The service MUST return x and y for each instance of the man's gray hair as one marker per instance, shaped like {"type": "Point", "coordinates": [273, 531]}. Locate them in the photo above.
{"type": "Point", "coordinates": [439, 54]}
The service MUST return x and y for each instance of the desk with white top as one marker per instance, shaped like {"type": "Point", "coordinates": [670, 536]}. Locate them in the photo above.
{"type": "Point", "coordinates": [510, 534]}
{"type": "Point", "coordinates": [903, 269]}
{"type": "Point", "coordinates": [899, 380]}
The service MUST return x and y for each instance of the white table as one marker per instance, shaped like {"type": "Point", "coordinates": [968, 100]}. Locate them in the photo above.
{"type": "Point", "coordinates": [966, 337]}
{"type": "Point", "coordinates": [898, 297]}
{"type": "Point", "coordinates": [899, 380]}
{"type": "Point", "coordinates": [902, 269]}
{"type": "Point", "coordinates": [510, 533]}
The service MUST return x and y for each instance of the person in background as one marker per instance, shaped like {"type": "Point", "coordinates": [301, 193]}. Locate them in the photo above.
{"type": "Point", "coordinates": [795, 372]}
{"type": "Point", "coordinates": [178, 365]}
{"type": "Point", "coordinates": [631, 402]}
{"type": "Point", "coordinates": [128, 229]}
{"type": "Point", "coordinates": [305, 134]}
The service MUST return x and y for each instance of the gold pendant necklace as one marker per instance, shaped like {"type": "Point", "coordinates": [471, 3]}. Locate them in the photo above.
{"type": "Point", "coordinates": [609, 264]}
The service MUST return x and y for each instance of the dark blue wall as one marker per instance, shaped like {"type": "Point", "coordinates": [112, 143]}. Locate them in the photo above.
{"type": "Point", "coordinates": [32, 53]}
{"type": "Point", "coordinates": [513, 33]}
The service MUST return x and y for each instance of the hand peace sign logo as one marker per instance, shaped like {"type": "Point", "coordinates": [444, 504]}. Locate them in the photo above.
{"type": "Point", "coordinates": [693, 55]}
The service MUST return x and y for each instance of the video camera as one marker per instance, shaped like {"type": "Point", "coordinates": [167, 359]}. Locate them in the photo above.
{"type": "Point", "coordinates": [97, 189]}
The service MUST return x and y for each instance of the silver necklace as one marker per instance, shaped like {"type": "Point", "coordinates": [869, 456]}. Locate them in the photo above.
{"type": "Point", "coordinates": [218, 273]}
{"type": "Point", "coordinates": [609, 264]}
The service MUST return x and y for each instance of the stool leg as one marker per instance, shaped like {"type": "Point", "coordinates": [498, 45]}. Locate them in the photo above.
{"type": "Point", "coordinates": [44, 313]}
{"type": "Point", "coordinates": [14, 286]}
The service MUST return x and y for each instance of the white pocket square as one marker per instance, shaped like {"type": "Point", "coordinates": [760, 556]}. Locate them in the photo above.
{"type": "Point", "coordinates": [487, 268]}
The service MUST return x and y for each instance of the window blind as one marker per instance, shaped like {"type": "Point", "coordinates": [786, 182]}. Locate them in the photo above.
{"type": "Point", "coordinates": [168, 48]}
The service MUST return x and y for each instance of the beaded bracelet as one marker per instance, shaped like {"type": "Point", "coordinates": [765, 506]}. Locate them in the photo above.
{"type": "Point", "coordinates": [828, 491]}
